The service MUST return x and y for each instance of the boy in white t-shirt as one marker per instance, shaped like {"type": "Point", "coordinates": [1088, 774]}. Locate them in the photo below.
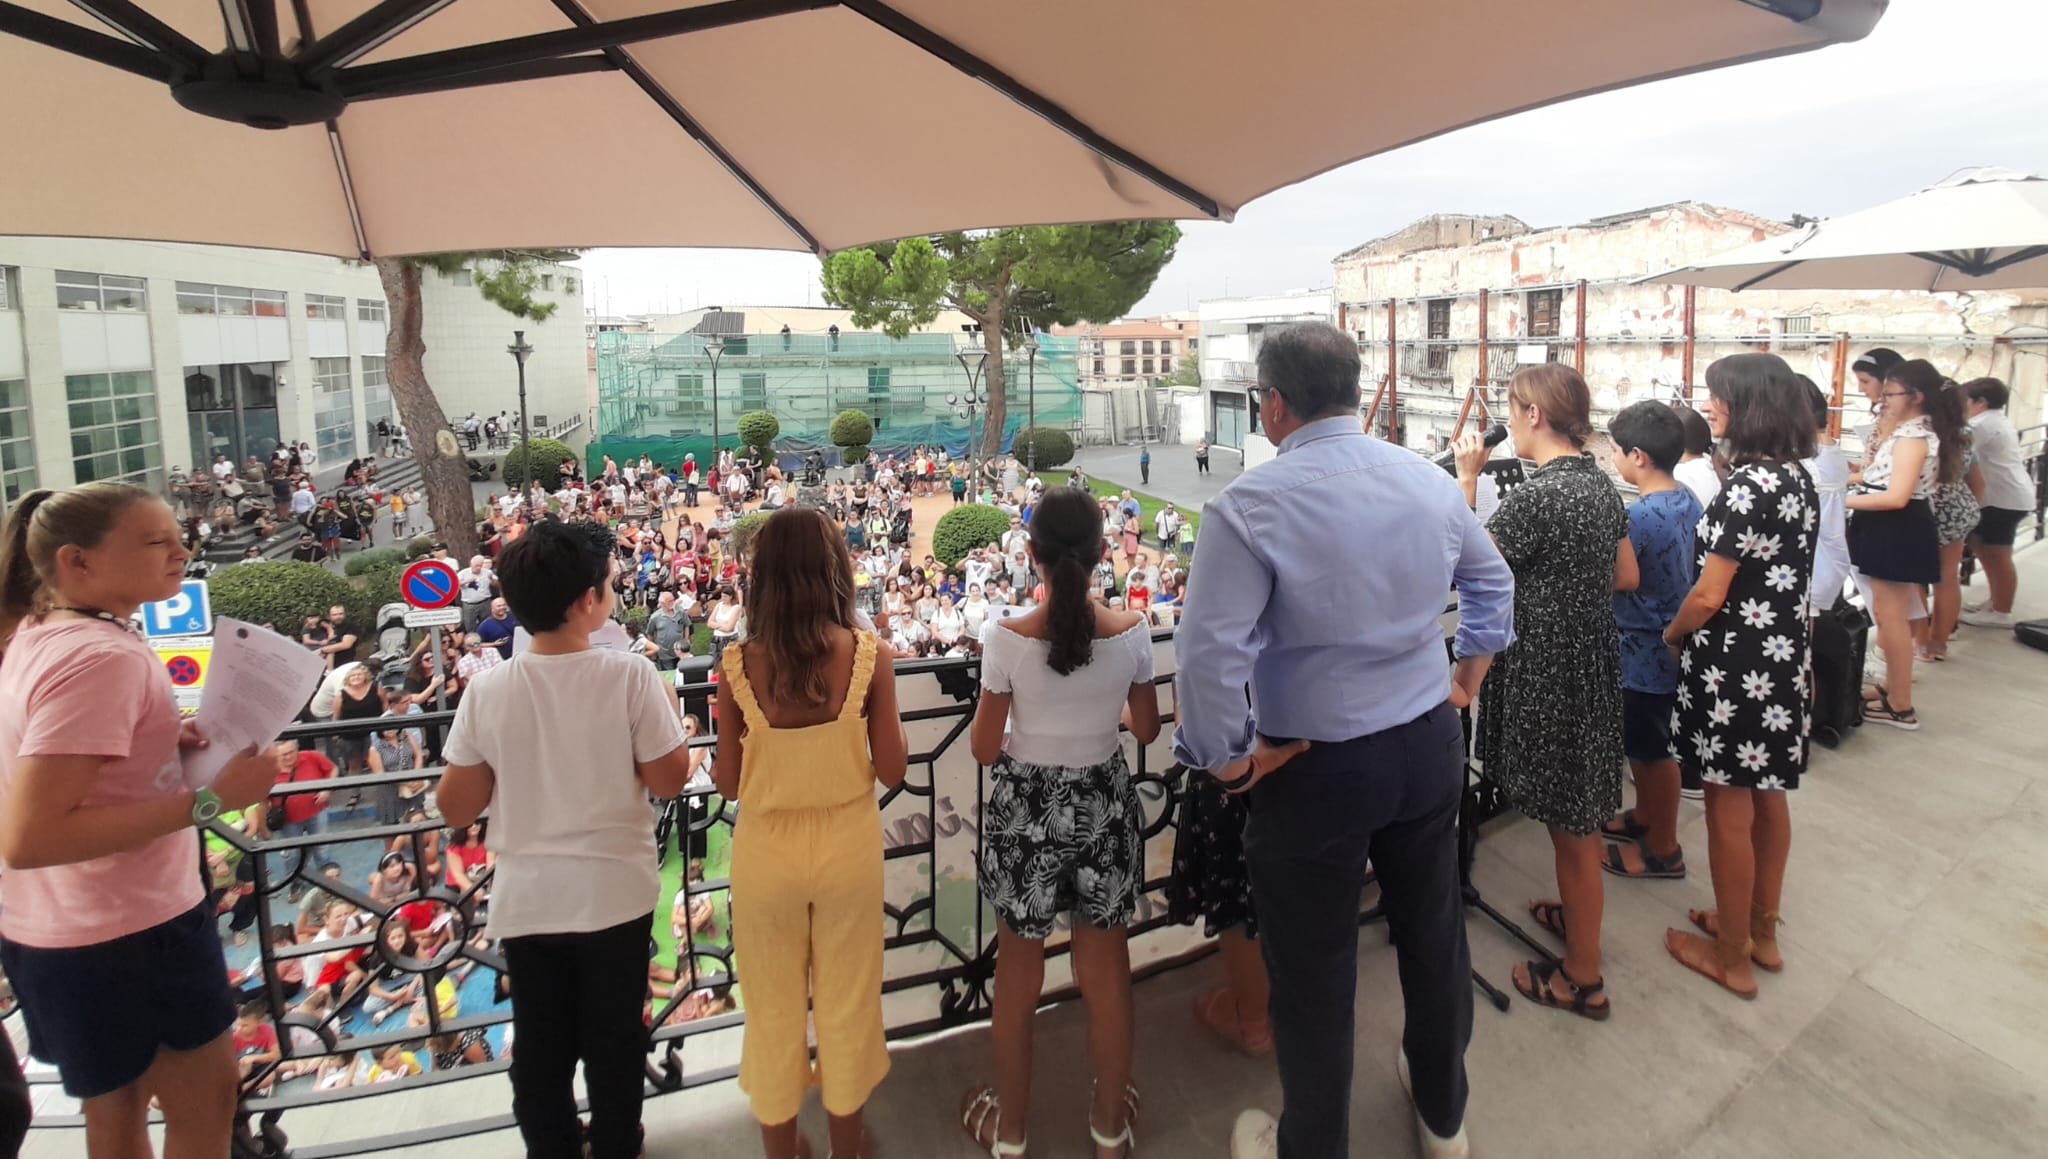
{"type": "Point", "coordinates": [566, 743]}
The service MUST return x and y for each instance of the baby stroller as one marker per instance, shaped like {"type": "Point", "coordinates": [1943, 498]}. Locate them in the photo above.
{"type": "Point", "coordinates": [393, 654]}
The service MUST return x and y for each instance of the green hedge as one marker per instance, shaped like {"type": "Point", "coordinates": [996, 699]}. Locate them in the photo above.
{"type": "Point", "coordinates": [636, 618]}
{"type": "Point", "coordinates": [965, 528]}
{"type": "Point", "coordinates": [280, 594]}
{"type": "Point", "coordinates": [419, 547]}
{"type": "Point", "coordinates": [758, 429]}
{"type": "Point", "coordinates": [741, 540]}
{"type": "Point", "coordinates": [547, 458]}
{"type": "Point", "coordinates": [1055, 447]}
{"type": "Point", "coordinates": [374, 589]}
{"type": "Point", "coordinates": [852, 431]}
{"type": "Point", "coordinates": [371, 560]}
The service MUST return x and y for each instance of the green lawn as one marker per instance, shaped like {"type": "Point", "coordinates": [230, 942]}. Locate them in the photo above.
{"type": "Point", "coordinates": [1150, 504]}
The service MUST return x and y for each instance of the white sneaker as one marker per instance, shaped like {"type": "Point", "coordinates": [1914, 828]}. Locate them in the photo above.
{"type": "Point", "coordinates": [1986, 618]}
{"type": "Point", "coordinates": [1256, 1136]}
{"type": "Point", "coordinates": [1978, 605]}
{"type": "Point", "coordinates": [1434, 1146]}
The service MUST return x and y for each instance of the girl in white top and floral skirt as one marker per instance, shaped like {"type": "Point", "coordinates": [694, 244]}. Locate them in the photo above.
{"type": "Point", "coordinates": [1063, 831]}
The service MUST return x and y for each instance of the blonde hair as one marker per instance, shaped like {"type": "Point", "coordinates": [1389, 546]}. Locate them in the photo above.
{"type": "Point", "coordinates": [40, 523]}
{"type": "Point", "coordinates": [1560, 393]}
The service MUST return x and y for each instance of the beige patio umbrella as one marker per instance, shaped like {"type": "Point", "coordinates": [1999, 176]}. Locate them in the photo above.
{"type": "Point", "coordinates": [1982, 229]}
{"type": "Point", "coordinates": [407, 126]}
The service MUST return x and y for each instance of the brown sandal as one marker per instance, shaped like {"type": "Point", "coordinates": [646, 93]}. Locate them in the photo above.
{"type": "Point", "coordinates": [1709, 958]}
{"type": "Point", "coordinates": [1549, 915]}
{"type": "Point", "coordinates": [1218, 1011]}
{"type": "Point", "coordinates": [1579, 998]}
{"type": "Point", "coordinates": [1763, 931]}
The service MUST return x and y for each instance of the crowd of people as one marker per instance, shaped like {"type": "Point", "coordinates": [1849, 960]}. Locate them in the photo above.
{"type": "Point", "coordinates": [263, 497]}
{"type": "Point", "coordinates": [1668, 637]}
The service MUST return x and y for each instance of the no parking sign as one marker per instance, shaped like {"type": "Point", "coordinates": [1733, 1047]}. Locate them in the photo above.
{"type": "Point", "coordinates": [185, 660]}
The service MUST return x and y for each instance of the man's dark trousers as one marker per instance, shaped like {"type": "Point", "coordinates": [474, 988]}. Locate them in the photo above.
{"type": "Point", "coordinates": [1392, 797]}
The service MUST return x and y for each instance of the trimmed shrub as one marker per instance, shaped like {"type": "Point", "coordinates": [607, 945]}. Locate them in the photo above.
{"type": "Point", "coordinates": [1053, 447]}
{"type": "Point", "coordinates": [741, 540]}
{"type": "Point", "coordinates": [852, 431]}
{"type": "Point", "coordinates": [636, 618]}
{"type": "Point", "coordinates": [373, 559]}
{"type": "Point", "coordinates": [965, 528]}
{"type": "Point", "coordinates": [700, 640]}
{"type": "Point", "coordinates": [547, 463]}
{"type": "Point", "coordinates": [758, 429]}
{"type": "Point", "coordinates": [419, 547]}
{"type": "Point", "coordinates": [281, 594]}
{"type": "Point", "coordinates": [374, 589]}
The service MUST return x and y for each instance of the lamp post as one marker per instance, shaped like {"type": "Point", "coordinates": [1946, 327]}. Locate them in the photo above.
{"type": "Point", "coordinates": [1031, 448]}
{"type": "Point", "coordinates": [971, 361]}
{"type": "Point", "coordinates": [714, 348]}
{"type": "Point", "coordinates": [519, 350]}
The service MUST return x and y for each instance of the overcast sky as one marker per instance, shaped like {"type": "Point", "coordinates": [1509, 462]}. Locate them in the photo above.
{"type": "Point", "coordinates": [1941, 85]}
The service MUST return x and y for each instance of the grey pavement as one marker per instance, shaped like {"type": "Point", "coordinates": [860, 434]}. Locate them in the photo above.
{"type": "Point", "coordinates": [1174, 478]}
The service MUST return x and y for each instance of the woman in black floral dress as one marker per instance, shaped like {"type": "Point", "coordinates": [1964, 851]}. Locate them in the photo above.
{"type": "Point", "coordinates": [1741, 722]}
{"type": "Point", "coordinates": [1550, 710]}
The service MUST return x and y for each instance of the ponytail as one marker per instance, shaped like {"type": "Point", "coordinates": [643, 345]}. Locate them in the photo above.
{"type": "Point", "coordinates": [20, 587]}
{"type": "Point", "coordinates": [1066, 536]}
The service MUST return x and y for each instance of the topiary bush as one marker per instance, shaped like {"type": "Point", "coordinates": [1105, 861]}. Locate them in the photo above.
{"type": "Point", "coordinates": [700, 640]}
{"type": "Point", "coordinates": [373, 559]}
{"type": "Point", "coordinates": [547, 463]}
{"type": "Point", "coordinates": [636, 618]}
{"type": "Point", "coordinates": [741, 539]}
{"type": "Point", "coordinates": [758, 429]}
{"type": "Point", "coordinates": [965, 528]}
{"type": "Point", "coordinates": [1053, 447]}
{"type": "Point", "coordinates": [281, 594]}
{"type": "Point", "coordinates": [374, 589]}
{"type": "Point", "coordinates": [419, 547]}
{"type": "Point", "coordinates": [852, 431]}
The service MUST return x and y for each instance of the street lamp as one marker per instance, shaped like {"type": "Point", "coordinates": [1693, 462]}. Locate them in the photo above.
{"type": "Point", "coordinates": [519, 350]}
{"type": "Point", "coordinates": [714, 348]}
{"type": "Point", "coordinates": [971, 361]}
{"type": "Point", "coordinates": [1031, 448]}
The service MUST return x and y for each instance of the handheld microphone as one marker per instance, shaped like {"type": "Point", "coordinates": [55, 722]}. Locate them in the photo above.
{"type": "Point", "coordinates": [1495, 436]}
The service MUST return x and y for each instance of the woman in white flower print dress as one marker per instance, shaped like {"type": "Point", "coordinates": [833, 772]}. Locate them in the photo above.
{"type": "Point", "coordinates": [1062, 831]}
{"type": "Point", "coordinates": [1742, 721]}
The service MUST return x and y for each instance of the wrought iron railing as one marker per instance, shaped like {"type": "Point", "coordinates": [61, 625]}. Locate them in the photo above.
{"type": "Point", "coordinates": [939, 948]}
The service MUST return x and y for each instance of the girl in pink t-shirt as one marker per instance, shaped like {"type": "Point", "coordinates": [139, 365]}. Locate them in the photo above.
{"type": "Point", "coordinates": [104, 930]}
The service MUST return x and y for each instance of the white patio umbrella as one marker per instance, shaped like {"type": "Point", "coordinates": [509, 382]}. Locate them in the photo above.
{"type": "Point", "coordinates": [407, 126]}
{"type": "Point", "coordinates": [1982, 229]}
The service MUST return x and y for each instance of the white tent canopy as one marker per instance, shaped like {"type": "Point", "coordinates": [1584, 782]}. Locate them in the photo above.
{"type": "Point", "coordinates": [408, 126]}
{"type": "Point", "coordinates": [1982, 229]}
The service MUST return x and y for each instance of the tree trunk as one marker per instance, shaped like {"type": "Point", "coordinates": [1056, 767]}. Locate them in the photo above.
{"type": "Point", "coordinates": [997, 410]}
{"type": "Point", "coordinates": [444, 468]}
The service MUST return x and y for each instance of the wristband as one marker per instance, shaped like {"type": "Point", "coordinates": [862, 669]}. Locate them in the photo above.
{"type": "Point", "coordinates": [1239, 783]}
{"type": "Point", "coordinates": [205, 806]}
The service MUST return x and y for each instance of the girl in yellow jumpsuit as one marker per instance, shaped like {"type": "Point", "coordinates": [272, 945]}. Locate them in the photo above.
{"type": "Point", "coordinates": [807, 724]}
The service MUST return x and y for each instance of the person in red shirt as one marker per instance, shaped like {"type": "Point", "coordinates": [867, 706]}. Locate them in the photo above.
{"type": "Point", "coordinates": [304, 814]}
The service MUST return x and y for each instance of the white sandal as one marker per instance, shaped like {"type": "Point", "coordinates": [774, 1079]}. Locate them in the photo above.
{"type": "Point", "coordinates": [1128, 1138]}
{"type": "Point", "coordinates": [974, 1116]}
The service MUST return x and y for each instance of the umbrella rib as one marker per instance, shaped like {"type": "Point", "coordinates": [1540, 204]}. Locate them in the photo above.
{"type": "Point", "coordinates": [667, 102]}
{"type": "Point", "coordinates": [511, 73]}
{"type": "Point", "coordinates": [78, 40]}
{"type": "Point", "coordinates": [348, 189]}
{"type": "Point", "coordinates": [366, 33]}
{"type": "Point", "coordinates": [132, 22]}
{"type": "Point", "coordinates": [1032, 100]}
{"type": "Point", "coordinates": [1773, 272]}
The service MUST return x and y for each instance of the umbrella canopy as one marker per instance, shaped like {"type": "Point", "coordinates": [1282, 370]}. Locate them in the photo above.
{"type": "Point", "coordinates": [409, 126]}
{"type": "Point", "coordinates": [1983, 229]}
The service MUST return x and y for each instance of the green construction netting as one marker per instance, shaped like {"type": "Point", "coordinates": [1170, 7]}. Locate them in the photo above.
{"type": "Point", "coordinates": [657, 394]}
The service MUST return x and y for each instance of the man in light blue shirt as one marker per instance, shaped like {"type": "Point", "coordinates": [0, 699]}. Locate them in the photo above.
{"type": "Point", "coordinates": [1318, 588]}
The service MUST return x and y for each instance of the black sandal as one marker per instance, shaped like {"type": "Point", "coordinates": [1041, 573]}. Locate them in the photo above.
{"type": "Point", "coordinates": [1669, 868]}
{"type": "Point", "coordinates": [1625, 828]}
{"type": "Point", "coordinates": [1883, 713]}
{"type": "Point", "coordinates": [1549, 915]}
{"type": "Point", "coordinates": [1580, 1003]}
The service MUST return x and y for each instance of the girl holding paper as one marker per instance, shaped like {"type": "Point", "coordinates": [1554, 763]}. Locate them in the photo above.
{"type": "Point", "coordinates": [105, 932]}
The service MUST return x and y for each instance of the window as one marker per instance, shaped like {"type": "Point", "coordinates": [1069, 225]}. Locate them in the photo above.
{"type": "Point", "coordinates": [232, 409]}
{"type": "Point", "coordinates": [753, 392]}
{"type": "Point", "coordinates": [1166, 346]}
{"type": "Point", "coordinates": [334, 410]}
{"type": "Point", "coordinates": [690, 400]}
{"type": "Point", "coordinates": [568, 285]}
{"type": "Point", "coordinates": [77, 291]}
{"type": "Point", "coordinates": [17, 440]}
{"type": "Point", "coordinates": [1796, 324]}
{"type": "Point", "coordinates": [1130, 366]}
{"type": "Point", "coordinates": [547, 281]}
{"type": "Point", "coordinates": [326, 306]}
{"type": "Point", "coordinates": [1148, 363]}
{"type": "Point", "coordinates": [114, 432]}
{"type": "Point", "coordinates": [8, 294]}
{"type": "Point", "coordinates": [1546, 308]}
{"type": "Point", "coordinates": [376, 388]}
{"type": "Point", "coordinates": [1439, 330]}
{"type": "Point", "coordinates": [368, 310]}
{"type": "Point", "coordinates": [464, 278]}
{"type": "Point", "coordinates": [1098, 368]}
{"type": "Point", "coordinates": [878, 390]}
{"type": "Point", "coordinates": [1148, 346]}
{"type": "Point", "coordinates": [1128, 348]}
{"type": "Point", "coordinates": [1166, 366]}
{"type": "Point", "coordinates": [234, 301]}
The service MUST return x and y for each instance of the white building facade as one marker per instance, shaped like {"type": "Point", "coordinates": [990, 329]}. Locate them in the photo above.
{"type": "Point", "coordinates": [121, 359]}
{"type": "Point", "coordinates": [1231, 330]}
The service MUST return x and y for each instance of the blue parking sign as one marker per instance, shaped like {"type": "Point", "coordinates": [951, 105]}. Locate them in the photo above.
{"type": "Point", "coordinates": [189, 613]}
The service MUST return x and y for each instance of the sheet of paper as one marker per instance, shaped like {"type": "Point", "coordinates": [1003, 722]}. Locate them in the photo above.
{"type": "Point", "coordinates": [256, 683]}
